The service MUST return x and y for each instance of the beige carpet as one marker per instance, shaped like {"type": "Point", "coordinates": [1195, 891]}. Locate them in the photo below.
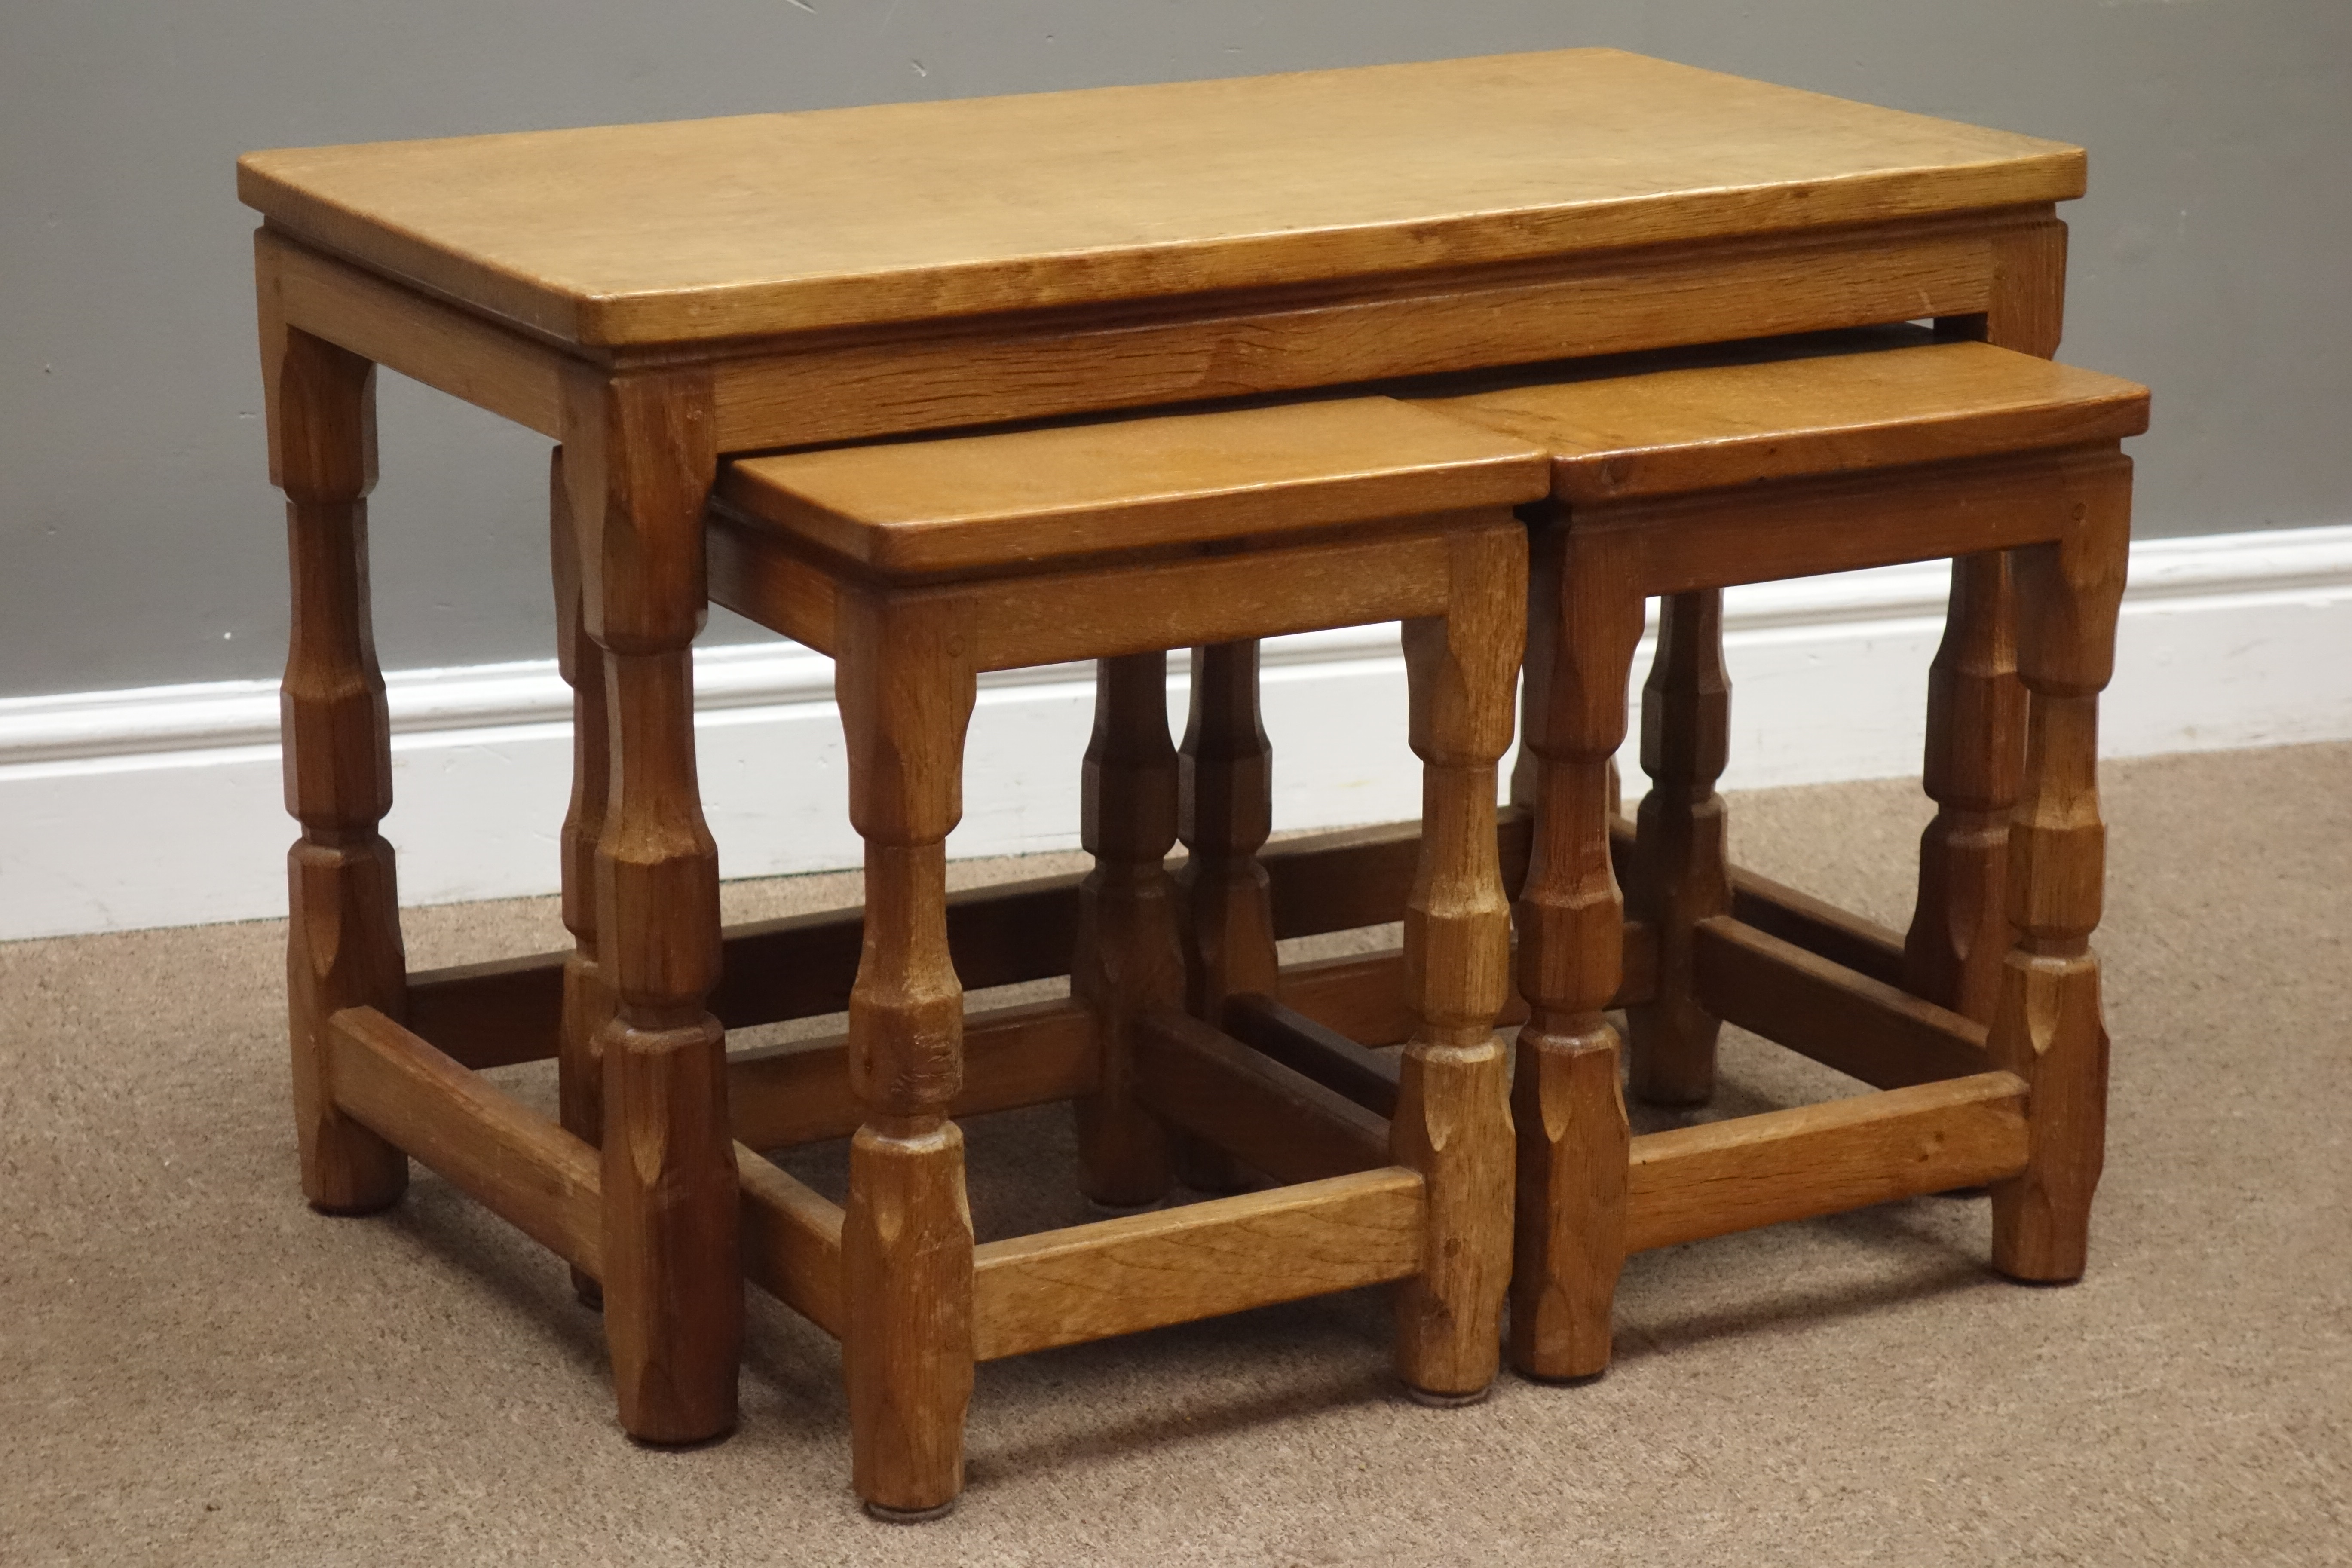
{"type": "Point", "coordinates": [196, 1370]}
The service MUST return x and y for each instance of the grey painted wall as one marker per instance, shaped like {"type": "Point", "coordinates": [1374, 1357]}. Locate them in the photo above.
{"type": "Point", "coordinates": [140, 545]}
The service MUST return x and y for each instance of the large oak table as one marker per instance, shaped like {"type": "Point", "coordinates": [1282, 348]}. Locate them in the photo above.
{"type": "Point", "coordinates": [656, 297]}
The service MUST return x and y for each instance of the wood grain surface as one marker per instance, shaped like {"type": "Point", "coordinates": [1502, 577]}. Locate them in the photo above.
{"type": "Point", "coordinates": [1667, 431]}
{"type": "Point", "coordinates": [993, 500]}
{"type": "Point", "coordinates": [507, 1157]}
{"type": "Point", "coordinates": [1722, 1176]}
{"type": "Point", "coordinates": [1173, 1266]}
{"type": "Point", "coordinates": [764, 224]}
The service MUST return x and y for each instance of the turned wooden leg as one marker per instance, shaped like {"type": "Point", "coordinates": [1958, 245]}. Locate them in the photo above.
{"type": "Point", "coordinates": [1680, 875]}
{"type": "Point", "coordinates": [1130, 958]}
{"type": "Point", "coordinates": [343, 946]}
{"type": "Point", "coordinates": [2047, 1028]}
{"type": "Point", "coordinates": [1452, 1121]}
{"type": "Point", "coordinates": [637, 466]}
{"type": "Point", "coordinates": [587, 997]}
{"type": "Point", "coordinates": [905, 682]}
{"type": "Point", "coordinates": [1226, 809]}
{"type": "Point", "coordinates": [1975, 732]}
{"type": "Point", "coordinates": [1573, 1140]}
{"type": "Point", "coordinates": [1975, 708]}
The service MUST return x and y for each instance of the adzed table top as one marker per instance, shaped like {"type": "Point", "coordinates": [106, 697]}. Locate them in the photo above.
{"type": "Point", "coordinates": [620, 237]}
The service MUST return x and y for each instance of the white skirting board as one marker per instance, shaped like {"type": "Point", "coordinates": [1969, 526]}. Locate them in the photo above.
{"type": "Point", "coordinates": [163, 807]}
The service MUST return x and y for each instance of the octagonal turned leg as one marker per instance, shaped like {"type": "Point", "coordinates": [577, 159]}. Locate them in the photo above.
{"type": "Point", "coordinates": [1573, 1137]}
{"type": "Point", "coordinates": [343, 946]}
{"type": "Point", "coordinates": [1680, 875]}
{"type": "Point", "coordinates": [1226, 813]}
{"type": "Point", "coordinates": [1129, 958]}
{"type": "Point", "coordinates": [588, 1003]}
{"type": "Point", "coordinates": [905, 682]}
{"type": "Point", "coordinates": [1453, 1120]}
{"type": "Point", "coordinates": [1975, 731]}
{"type": "Point", "coordinates": [2048, 1027]}
{"type": "Point", "coordinates": [637, 469]}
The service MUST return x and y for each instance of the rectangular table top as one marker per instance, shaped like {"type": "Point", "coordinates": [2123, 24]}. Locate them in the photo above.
{"type": "Point", "coordinates": [1009, 498]}
{"type": "Point", "coordinates": [1844, 402]}
{"type": "Point", "coordinates": [757, 225]}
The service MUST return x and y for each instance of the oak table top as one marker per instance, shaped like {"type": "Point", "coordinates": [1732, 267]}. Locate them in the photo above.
{"type": "Point", "coordinates": [1876, 399]}
{"type": "Point", "coordinates": [996, 500]}
{"type": "Point", "coordinates": [760, 225]}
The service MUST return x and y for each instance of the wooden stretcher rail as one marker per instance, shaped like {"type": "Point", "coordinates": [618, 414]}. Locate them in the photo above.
{"type": "Point", "coordinates": [1172, 1266]}
{"type": "Point", "coordinates": [1864, 1027]}
{"type": "Point", "coordinates": [1724, 1176]}
{"type": "Point", "coordinates": [1013, 1056]}
{"type": "Point", "coordinates": [1266, 1115]}
{"type": "Point", "coordinates": [520, 1166]}
{"type": "Point", "coordinates": [1821, 929]}
{"type": "Point", "coordinates": [1362, 995]}
{"type": "Point", "coordinates": [799, 966]}
{"type": "Point", "coordinates": [490, 1014]}
{"type": "Point", "coordinates": [792, 1241]}
{"type": "Point", "coordinates": [802, 966]}
{"type": "Point", "coordinates": [1365, 1075]}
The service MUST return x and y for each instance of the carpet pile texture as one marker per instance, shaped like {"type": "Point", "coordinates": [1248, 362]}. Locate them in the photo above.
{"type": "Point", "coordinates": [196, 1370]}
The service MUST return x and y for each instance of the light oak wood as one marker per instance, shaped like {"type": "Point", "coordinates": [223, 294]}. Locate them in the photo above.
{"type": "Point", "coordinates": [588, 1003]}
{"type": "Point", "coordinates": [1271, 1117]}
{"type": "Point", "coordinates": [791, 1242]}
{"type": "Point", "coordinates": [2027, 311]}
{"type": "Point", "coordinates": [1452, 1121]}
{"type": "Point", "coordinates": [507, 1010]}
{"type": "Point", "coordinates": [1976, 727]}
{"type": "Point", "coordinates": [1362, 876]}
{"type": "Point", "coordinates": [1129, 958]}
{"type": "Point", "coordinates": [1863, 1027]}
{"type": "Point", "coordinates": [719, 228]}
{"type": "Point", "coordinates": [2047, 1027]}
{"type": "Point", "coordinates": [1174, 1266]}
{"type": "Point", "coordinates": [1362, 997]}
{"type": "Point", "coordinates": [831, 308]}
{"type": "Point", "coordinates": [1724, 538]}
{"type": "Point", "coordinates": [516, 1165]}
{"type": "Point", "coordinates": [494, 1013]}
{"type": "Point", "coordinates": [905, 682]}
{"type": "Point", "coordinates": [987, 502]}
{"type": "Point", "coordinates": [1976, 733]}
{"type": "Point", "coordinates": [1569, 1112]}
{"type": "Point", "coordinates": [988, 370]}
{"type": "Point", "coordinates": [1359, 996]}
{"type": "Point", "coordinates": [1682, 869]}
{"type": "Point", "coordinates": [344, 947]}
{"type": "Point", "coordinates": [1075, 612]}
{"type": "Point", "coordinates": [1681, 479]}
{"type": "Point", "coordinates": [800, 966]}
{"type": "Point", "coordinates": [801, 1092]}
{"type": "Point", "coordinates": [1625, 431]}
{"type": "Point", "coordinates": [1225, 813]}
{"type": "Point", "coordinates": [1723, 1176]}
{"type": "Point", "coordinates": [636, 466]}
{"type": "Point", "coordinates": [479, 362]}
{"type": "Point", "coordinates": [909, 653]}
{"type": "Point", "coordinates": [1823, 930]}
{"type": "Point", "coordinates": [1366, 1076]}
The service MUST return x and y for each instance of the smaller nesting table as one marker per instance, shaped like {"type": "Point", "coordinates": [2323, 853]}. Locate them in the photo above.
{"type": "Point", "coordinates": [917, 565]}
{"type": "Point", "coordinates": [1677, 481]}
